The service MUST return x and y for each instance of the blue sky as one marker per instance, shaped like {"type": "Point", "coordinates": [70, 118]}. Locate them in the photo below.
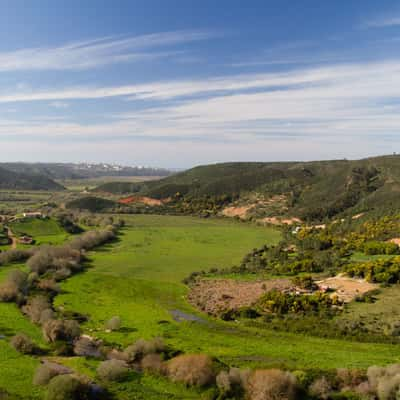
{"type": "Point", "coordinates": [180, 83]}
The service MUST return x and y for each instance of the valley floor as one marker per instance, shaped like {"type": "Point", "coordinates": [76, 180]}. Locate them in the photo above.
{"type": "Point", "coordinates": [139, 278]}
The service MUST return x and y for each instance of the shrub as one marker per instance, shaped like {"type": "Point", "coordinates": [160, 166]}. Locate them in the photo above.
{"type": "Point", "coordinates": [113, 370]}
{"type": "Point", "coordinates": [47, 371]}
{"type": "Point", "coordinates": [35, 307]}
{"type": "Point", "coordinates": [153, 363]}
{"type": "Point", "coordinates": [54, 330]}
{"type": "Point", "coordinates": [272, 384]}
{"type": "Point", "coordinates": [321, 388]}
{"type": "Point", "coordinates": [9, 292]}
{"type": "Point", "coordinates": [87, 347]}
{"type": "Point", "coordinates": [143, 347]}
{"type": "Point", "coordinates": [191, 369]}
{"type": "Point", "coordinates": [23, 344]}
{"type": "Point", "coordinates": [9, 256]}
{"type": "Point", "coordinates": [385, 381]}
{"type": "Point", "coordinates": [114, 324]}
{"type": "Point", "coordinates": [15, 286]}
{"type": "Point", "coordinates": [350, 378]}
{"type": "Point", "coordinates": [388, 387]}
{"type": "Point", "coordinates": [232, 383]}
{"type": "Point", "coordinates": [48, 285]}
{"type": "Point", "coordinates": [67, 387]}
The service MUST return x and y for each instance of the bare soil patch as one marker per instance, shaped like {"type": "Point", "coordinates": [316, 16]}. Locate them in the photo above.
{"type": "Point", "coordinates": [395, 241]}
{"type": "Point", "coordinates": [216, 296]}
{"type": "Point", "coordinates": [233, 211]}
{"type": "Point", "coordinates": [144, 200]}
{"type": "Point", "coordinates": [345, 288]}
{"type": "Point", "coordinates": [281, 221]}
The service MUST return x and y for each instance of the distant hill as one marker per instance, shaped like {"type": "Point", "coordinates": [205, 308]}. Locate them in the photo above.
{"type": "Point", "coordinates": [92, 204]}
{"type": "Point", "coordinates": [26, 181]}
{"type": "Point", "coordinates": [310, 190]}
{"type": "Point", "coordinates": [63, 171]}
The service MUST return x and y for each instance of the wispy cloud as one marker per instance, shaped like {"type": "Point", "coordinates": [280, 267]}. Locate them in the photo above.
{"type": "Point", "coordinates": [337, 100]}
{"type": "Point", "coordinates": [59, 104]}
{"type": "Point", "coordinates": [98, 52]}
{"type": "Point", "coordinates": [382, 22]}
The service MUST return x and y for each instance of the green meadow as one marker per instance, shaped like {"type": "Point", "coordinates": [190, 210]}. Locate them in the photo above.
{"type": "Point", "coordinates": [139, 278]}
{"type": "Point", "coordinates": [16, 369]}
{"type": "Point", "coordinates": [44, 231]}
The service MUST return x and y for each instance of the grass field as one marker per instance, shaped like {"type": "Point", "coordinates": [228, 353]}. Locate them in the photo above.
{"type": "Point", "coordinates": [17, 370]}
{"type": "Point", "coordinates": [42, 230]}
{"type": "Point", "coordinates": [139, 279]}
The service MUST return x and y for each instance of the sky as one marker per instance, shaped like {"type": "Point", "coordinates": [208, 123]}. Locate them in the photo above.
{"type": "Point", "coordinates": [180, 83]}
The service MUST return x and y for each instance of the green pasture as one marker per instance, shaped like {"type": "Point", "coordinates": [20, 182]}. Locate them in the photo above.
{"type": "Point", "coordinates": [139, 279]}
{"type": "Point", "coordinates": [16, 369]}
{"type": "Point", "coordinates": [42, 230]}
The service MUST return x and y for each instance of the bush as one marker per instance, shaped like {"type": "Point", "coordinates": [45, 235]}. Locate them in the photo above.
{"type": "Point", "coordinates": [35, 308]}
{"type": "Point", "coordinates": [385, 381]}
{"type": "Point", "coordinates": [14, 255]}
{"type": "Point", "coordinates": [87, 347]}
{"type": "Point", "coordinates": [113, 370]}
{"type": "Point", "coordinates": [191, 369]}
{"type": "Point", "coordinates": [153, 363]}
{"type": "Point", "coordinates": [350, 378]}
{"type": "Point", "coordinates": [54, 330]}
{"type": "Point", "coordinates": [114, 324]}
{"type": "Point", "coordinates": [47, 371]}
{"type": "Point", "coordinates": [143, 347]}
{"type": "Point", "coordinates": [67, 387]}
{"type": "Point", "coordinates": [23, 344]}
{"type": "Point", "coordinates": [15, 286]}
{"type": "Point", "coordinates": [321, 388]}
{"type": "Point", "coordinates": [232, 383]}
{"type": "Point", "coordinates": [9, 292]}
{"type": "Point", "coordinates": [272, 384]}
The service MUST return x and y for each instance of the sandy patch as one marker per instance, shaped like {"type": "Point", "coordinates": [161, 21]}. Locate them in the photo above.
{"type": "Point", "coordinates": [216, 296]}
{"type": "Point", "coordinates": [142, 199]}
{"type": "Point", "coordinates": [281, 221]}
{"type": "Point", "coordinates": [240, 212]}
{"type": "Point", "coordinates": [345, 288]}
{"type": "Point", "coordinates": [395, 241]}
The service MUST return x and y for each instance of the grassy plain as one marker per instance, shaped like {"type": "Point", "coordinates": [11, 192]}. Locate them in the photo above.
{"type": "Point", "coordinates": [42, 230]}
{"type": "Point", "coordinates": [16, 370]}
{"type": "Point", "coordinates": [139, 279]}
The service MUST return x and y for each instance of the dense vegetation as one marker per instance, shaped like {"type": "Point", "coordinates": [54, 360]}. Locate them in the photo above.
{"type": "Point", "coordinates": [313, 190]}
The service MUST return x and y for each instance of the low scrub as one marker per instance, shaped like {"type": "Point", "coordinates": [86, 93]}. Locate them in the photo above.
{"type": "Point", "coordinates": [23, 344]}
{"type": "Point", "coordinates": [272, 384]}
{"type": "Point", "coordinates": [68, 387]}
{"type": "Point", "coordinates": [142, 347]}
{"type": "Point", "coordinates": [66, 330]}
{"type": "Point", "coordinates": [113, 370]}
{"type": "Point", "coordinates": [191, 369]}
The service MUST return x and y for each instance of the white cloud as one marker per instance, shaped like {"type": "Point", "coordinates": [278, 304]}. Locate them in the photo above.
{"type": "Point", "coordinates": [97, 52]}
{"type": "Point", "coordinates": [349, 105]}
{"type": "Point", "coordinates": [59, 104]}
{"type": "Point", "coordinates": [382, 22]}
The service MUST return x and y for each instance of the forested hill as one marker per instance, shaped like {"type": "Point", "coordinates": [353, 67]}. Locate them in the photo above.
{"type": "Point", "coordinates": [23, 181]}
{"type": "Point", "coordinates": [312, 190]}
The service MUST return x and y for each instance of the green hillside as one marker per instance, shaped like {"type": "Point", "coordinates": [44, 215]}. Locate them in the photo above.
{"type": "Point", "coordinates": [24, 181]}
{"type": "Point", "coordinates": [312, 190]}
